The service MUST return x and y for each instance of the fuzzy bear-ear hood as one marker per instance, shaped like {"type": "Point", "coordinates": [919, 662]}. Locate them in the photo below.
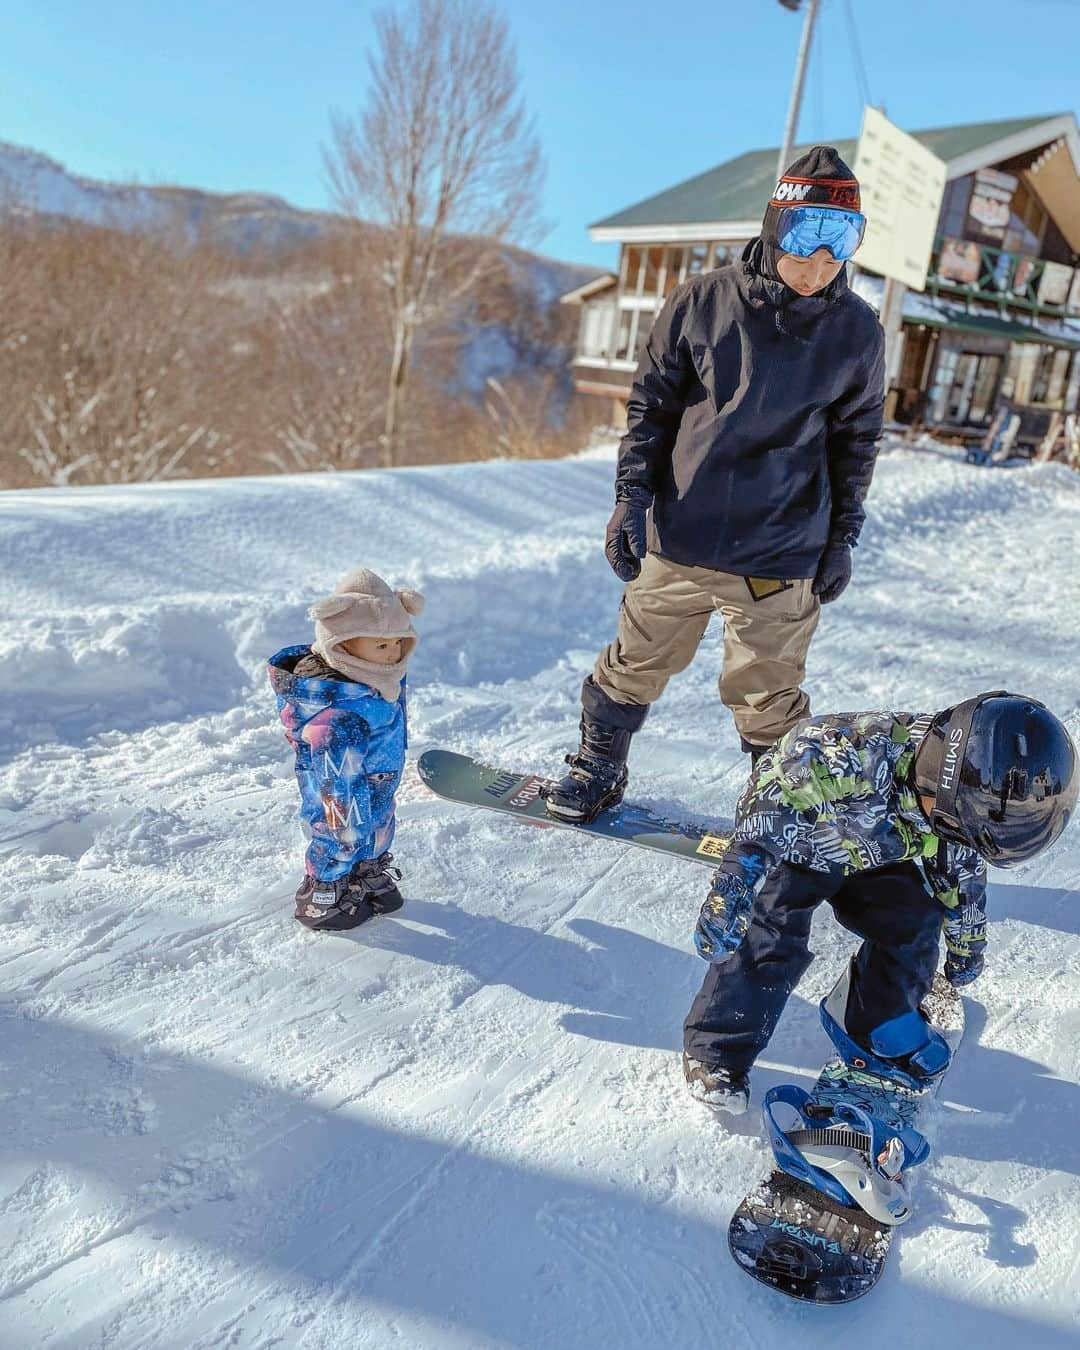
{"type": "Point", "coordinates": [364, 605]}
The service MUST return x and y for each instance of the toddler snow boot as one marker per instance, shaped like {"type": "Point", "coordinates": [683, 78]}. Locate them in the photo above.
{"type": "Point", "coordinates": [597, 777]}
{"type": "Point", "coordinates": [332, 906]}
{"type": "Point", "coordinates": [725, 1090]}
{"type": "Point", "coordinates": [369, 889]}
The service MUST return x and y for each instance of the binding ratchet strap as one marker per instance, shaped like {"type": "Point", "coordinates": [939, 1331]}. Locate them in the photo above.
{"type": "Point", "coordinates": [838, 1136]}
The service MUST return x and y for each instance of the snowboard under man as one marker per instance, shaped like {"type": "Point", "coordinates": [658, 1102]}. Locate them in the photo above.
{"type": "Point", "coordinates": [891, 818]}
{"type": "Point", "coordinates": [752, 432]}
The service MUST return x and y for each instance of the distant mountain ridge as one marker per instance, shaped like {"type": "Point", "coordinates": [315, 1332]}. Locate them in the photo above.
{"type": "Point", "coordinates": [32, 184]}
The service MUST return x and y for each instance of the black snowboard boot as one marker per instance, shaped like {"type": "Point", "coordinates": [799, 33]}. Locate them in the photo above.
{"type": "Point", "coordinates": [725, 1090]}
{"type": "Point", "coordinates": [597, 776]}
{"type": "Point", "coordinates": [333, 906]}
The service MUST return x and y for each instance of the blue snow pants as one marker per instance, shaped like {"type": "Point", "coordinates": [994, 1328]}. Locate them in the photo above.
{"type": "Point", "coordinates": [741, 999]}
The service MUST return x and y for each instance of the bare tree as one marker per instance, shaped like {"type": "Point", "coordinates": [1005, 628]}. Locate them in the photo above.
{"type": "Point", "coordinates": [441, 151]}
{"type": "Point", "coordinates": [109, 342]}
{"type": "Point", "coordinates": [328, 407]}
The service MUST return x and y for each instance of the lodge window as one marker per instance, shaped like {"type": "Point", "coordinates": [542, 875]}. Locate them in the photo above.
{"type": "Point", "coordinates": [964, 387]}
{"type": "Point", "coordinates": [1048, 377]}
{"type": "Point", "coordinates": [597, 321]}
{"type": "Point", "coordinates": [655, 272]}
{"type": "Point", "coordinates": [1048, 385]}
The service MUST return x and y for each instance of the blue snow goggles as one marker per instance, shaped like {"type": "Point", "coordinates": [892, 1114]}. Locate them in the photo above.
{"type": "Point", "coordinates": [805, 229]}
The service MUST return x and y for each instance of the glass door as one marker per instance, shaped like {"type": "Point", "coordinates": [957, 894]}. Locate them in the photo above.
{"type": "Point", "coordinates": [986, 383]}
{"type": "Point", "coordinates": [963, 386]}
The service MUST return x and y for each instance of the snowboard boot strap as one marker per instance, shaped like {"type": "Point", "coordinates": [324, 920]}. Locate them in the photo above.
{"type": "Point", "coordinates": [905, 1050]}
{"type": "Point", "coordinates": [850, 1155]}
{"type": "Point", "coordinates": [597, 774]}
{"type": "Point", "coordinates": [376, 880]}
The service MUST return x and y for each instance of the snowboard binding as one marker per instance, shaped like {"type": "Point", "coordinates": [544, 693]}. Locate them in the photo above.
{"type": "Point", "coordinates": [905, 1050]}
{"type": "Point", "coordinates": [842, 1150]}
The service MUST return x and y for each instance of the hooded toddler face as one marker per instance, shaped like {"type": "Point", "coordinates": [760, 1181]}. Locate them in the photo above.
{"type": "Point", "coordinates": [364, 629]}
{"type": "Point", "coordinates": [382, 651]}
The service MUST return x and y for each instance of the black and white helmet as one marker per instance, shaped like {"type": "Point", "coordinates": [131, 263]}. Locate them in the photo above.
{"type": "Point", "coordinates": [1001, 769]}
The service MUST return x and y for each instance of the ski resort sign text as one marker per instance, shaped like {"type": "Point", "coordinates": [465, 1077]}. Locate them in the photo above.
{"type": "Point", "coordinates": [902, 185]}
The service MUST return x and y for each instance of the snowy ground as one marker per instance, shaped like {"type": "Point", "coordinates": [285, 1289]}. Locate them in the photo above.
{"type": "Point", "coordinates": [466, 1127]}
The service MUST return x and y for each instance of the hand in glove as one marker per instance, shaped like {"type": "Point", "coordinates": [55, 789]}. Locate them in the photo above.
{"type": "Point", "coordinates": [965, 938]}
{"type": "Point", "coordinates": [724, 918]}
{"type": "Point", "coordinates": [624, 545]}
{"type": "Point", "coordinates": [834, 571]}
{"type": "Point", "coordinates": [961, 970]}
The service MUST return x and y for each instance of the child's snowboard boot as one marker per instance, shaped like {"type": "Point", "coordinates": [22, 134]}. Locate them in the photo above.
{"type": "Point", "coordinates": [725, 1090]}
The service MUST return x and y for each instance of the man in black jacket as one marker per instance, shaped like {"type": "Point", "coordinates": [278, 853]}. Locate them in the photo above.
{"type": "Point", "coordinates": [752, 430]}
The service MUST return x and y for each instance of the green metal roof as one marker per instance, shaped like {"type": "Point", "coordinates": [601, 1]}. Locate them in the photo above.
{"type": "Point", "coordinates": [1056, 335]}
{"type": "Point", "coordinates": [739, 188]}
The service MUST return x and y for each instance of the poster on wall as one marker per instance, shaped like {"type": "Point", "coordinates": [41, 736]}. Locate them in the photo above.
{"type": "Point", "coordinates": [1022, 275]}
{"type": "Point", "coordinates": [988, 210]}
{"type": "Point", "coordinates": [1054, 283]}
{"type": "Point", "coordinates": [960, 260]}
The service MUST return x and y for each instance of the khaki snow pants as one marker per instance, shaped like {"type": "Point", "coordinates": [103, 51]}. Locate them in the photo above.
{"type": "Point", "coordinates": [767, 630]}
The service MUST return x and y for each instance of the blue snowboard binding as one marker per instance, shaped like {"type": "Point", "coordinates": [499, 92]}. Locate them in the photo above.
{"type": "Point", "coordinates": [842, 1150]}
{"type": "Point", "coordinates": [905, 1050]}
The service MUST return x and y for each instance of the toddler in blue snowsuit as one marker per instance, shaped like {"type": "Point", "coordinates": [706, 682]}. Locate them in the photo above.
{"type": "Point", "coordinates": [342, 703]}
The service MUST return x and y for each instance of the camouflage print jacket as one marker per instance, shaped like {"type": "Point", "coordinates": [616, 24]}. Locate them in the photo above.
{"type": "Point", "coordinates": [833, 796]}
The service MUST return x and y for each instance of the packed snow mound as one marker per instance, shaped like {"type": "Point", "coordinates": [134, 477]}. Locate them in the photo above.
{"type": "Point", "coordinates": [465, 1126]}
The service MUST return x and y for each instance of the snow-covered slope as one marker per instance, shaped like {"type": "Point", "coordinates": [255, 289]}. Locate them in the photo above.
{"type": "Point", "coordinates": [466, 1127]}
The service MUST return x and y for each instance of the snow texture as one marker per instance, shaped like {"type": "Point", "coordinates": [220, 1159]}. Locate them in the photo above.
{"type": "Point", "coordinates": [465, 1127]}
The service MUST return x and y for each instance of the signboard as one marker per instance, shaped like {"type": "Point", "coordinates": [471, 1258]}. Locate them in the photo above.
{"type": "Point", "coordinates": [988, 210]}
{"type": "Point", "coordinates": [902, 185]}
{"type": "Point", "coordinates": [960, 260]}
{"type": "Point", "coordinates": [1054, 283]}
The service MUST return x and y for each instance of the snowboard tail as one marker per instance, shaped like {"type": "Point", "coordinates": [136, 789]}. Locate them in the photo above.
{"type": "Point", "coordinates": [462, 779]}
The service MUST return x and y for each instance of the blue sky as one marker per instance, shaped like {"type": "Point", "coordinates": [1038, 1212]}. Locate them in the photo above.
{"type": "Point", "coordinates": [629, 97]}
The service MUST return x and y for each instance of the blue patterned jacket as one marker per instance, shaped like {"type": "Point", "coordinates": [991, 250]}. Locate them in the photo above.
{"type": "Point", "coordinates": [350, 750]}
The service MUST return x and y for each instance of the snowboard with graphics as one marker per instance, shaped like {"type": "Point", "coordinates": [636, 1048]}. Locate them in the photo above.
{"type": "Point", "coordinates": [465, 780]}
{"type": "Point", "coordinates": [790, 1236]}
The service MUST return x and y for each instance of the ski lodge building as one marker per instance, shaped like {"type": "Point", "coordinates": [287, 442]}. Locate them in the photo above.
{"type": "Point", "coordinates": [1000, 316]}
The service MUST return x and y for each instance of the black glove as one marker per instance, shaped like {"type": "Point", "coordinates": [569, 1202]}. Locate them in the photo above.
{"type": "Point", "coordinates": [624, 544]}
{"type": "Point", "coordinates": [834, 571]}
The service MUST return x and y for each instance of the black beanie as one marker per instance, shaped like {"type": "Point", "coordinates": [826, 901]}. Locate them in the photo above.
{"type": "Point", "coordinates": [818, 178]}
